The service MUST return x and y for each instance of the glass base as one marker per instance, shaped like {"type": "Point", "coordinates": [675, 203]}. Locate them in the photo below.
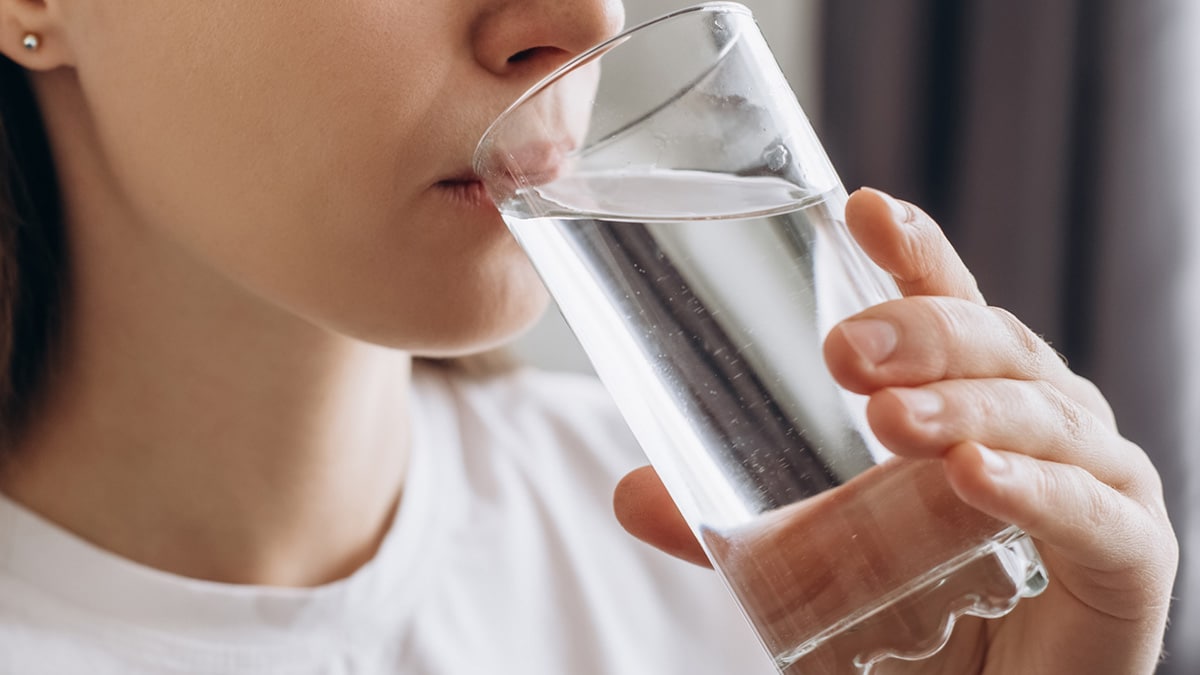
{"type": "Point", "coordinates": [917, 620]}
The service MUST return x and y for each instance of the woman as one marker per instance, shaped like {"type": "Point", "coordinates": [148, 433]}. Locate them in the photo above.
{"type": "Point", "coordinates": [220, 457]}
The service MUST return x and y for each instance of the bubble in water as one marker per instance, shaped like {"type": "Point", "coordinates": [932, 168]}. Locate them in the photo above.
{"type": "Point", "coordinates": [776, 157]}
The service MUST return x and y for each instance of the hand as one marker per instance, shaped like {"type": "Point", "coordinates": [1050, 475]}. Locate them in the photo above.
{"type": "Point", "coordinates": [1020, 438]}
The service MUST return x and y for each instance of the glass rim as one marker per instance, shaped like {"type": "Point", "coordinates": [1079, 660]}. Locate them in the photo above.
{"type": "Point", "coordinates": [587, 56]}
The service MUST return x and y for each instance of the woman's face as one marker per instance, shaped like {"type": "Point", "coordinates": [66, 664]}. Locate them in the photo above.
{"type": "Point", "coordinates": [318, 152]}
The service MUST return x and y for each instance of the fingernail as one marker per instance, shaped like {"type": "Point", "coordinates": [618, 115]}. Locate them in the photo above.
{"type": "Point", "coordinates": [922, 404]}
{"type": "Point", "coordinates": [872, 339]}
{"type": "Point", "coordinates": [993, 463]}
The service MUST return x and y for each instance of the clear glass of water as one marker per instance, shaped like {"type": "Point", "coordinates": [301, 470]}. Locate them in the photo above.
{"type": "Point", "coordinates": [676, 202]}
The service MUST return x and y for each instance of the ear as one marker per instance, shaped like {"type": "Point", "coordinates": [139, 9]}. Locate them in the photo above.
{"type": "Point", "coordinates": [32, 34]}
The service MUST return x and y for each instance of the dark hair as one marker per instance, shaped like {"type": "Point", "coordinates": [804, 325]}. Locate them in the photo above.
{"type": "Point", "coordinates": [32, 252]}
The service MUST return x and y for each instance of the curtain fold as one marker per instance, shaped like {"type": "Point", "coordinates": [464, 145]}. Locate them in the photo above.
{"type": "Point", "coordinates": [1059, 145]}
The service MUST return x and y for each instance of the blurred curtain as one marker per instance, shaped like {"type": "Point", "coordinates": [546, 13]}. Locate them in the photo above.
{"type": "Point", "coordinates": [1058, 143]}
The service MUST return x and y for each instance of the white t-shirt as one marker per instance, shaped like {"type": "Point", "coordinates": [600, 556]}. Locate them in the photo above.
{"type": "Point", "coordinates": [504, 558]}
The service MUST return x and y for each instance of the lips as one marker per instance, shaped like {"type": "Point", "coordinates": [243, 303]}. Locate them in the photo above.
{"type": "Point", "coordinates": [537, 140]}
{"type": "Point", "coordinates": [467, 188]}
{"type": "Point", "coordinates": [508, 170]}
{"type": "Point", "coordinates": [538, 163]}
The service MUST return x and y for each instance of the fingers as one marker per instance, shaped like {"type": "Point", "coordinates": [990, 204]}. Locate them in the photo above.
{"type": "Point", "coordinates": [924, 339]}
{"type": "Point", "coordinates": [905, 242]}
{"type": "Point", "coordinates": [1083, 520]}
{"type": "Point", "coordinates": [1031, 417]}
{"type": "Point", "coordinates": [646, 511]}
{"type": "Point", "coordinates": [918, 340]}
{"type": "Point", "coordinates": [914, 341]}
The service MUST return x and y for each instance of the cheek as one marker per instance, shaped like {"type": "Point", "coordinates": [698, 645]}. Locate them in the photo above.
{"type": "Point", "coordinates": [482, 303]}
{"type": "Point", "coordinates": [273, 146]}
{"type": "Point", "coordinates": [259, 115]}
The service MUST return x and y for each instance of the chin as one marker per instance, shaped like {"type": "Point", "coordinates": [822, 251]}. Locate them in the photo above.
{"type": "Point", "coordinates": [455, 322]}
{"type": "Point", "coordinates": [477, 312]}
{"type": "Point", "coordinates": [471, 334]}
{"type": "Point", "coordinates": [463, 296]}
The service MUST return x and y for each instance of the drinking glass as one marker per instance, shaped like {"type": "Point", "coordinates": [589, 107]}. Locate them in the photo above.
{"type": "Point", "coordinates": [677, 204]}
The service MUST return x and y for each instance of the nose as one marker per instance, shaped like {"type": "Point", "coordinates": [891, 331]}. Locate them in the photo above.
{"type": "Point", "coordinates": [532, 37]}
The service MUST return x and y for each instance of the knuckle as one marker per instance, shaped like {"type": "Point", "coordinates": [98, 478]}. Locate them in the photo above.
{"type": "Point", "coordinates": [943, 319]}
{"type": "Point", "coordinates": [1097, 499]}
{"type": "Point", "coordinates": [924, 246]}
{"type": "Point", "coordinates": [1077, 425]}
{"type": "Point", "coordinates": [978, 401]}
{"type": "Point", "coordinates": [1093, 399]}
{"type": "Point", "coordinates": [1170, 544]}
{"type": "Point", "coordinates": [938, 313]}
{"type": "Point", "coordinates": [926, 237]}
{"type": "Point", "coordinates": [1031, 352]}
{"type": "Point", "coordinates": [1092, 502]}
{"type": "Point", "coordinates": [1140, 478]}
{"type": "Point", "coordinates": [1041, 489]}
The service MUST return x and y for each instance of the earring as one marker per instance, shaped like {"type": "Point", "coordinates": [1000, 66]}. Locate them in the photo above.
{"type": "Point", "coordinates": [31, 42]}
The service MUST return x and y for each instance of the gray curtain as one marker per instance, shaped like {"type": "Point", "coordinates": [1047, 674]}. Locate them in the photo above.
{"type": "Point", "coordinates": [1056, 141]}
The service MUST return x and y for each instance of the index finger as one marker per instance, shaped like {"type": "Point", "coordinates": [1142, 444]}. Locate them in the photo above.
{"type": "Point", "coordinates": [905, 242]}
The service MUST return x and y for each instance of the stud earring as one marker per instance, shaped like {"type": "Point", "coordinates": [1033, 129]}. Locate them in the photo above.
{"type": "Point", "coordinates": [31, 42]}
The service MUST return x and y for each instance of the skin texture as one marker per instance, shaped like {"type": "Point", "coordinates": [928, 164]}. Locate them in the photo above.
{"type": "Point", "coordinates": [1019, 437]}
{"type": "Point", "coordinates": [253, 193]}
{"type": "Point", "coordinates": [258, 195]}
{"type": "Point", "coordinates": [292, 150]}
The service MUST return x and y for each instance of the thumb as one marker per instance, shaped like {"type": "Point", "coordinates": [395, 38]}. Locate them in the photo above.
{"type": "Point", "coordinates": [646, 511]}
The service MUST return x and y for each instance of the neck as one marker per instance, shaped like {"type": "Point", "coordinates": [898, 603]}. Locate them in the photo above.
{"type": "Point", "coordinates": [193, 427]}
{"type": "Point", "coordinates": [215, 442]}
